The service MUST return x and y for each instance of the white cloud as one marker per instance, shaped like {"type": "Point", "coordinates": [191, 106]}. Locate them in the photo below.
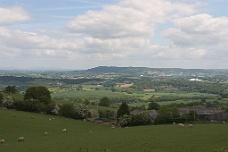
{"type": "Point", "coordinates": [201, 29]}
{"type": "Point", "coordinates": [13, 14]}
{"type": "Point", "coordinates": [122, 34]}
{"type": "Point", "coordinates": [34, 45]}
{"type": "Point", "coordinates": [202, 32]}
{"type": "Point", "coordinates": [129, 18]}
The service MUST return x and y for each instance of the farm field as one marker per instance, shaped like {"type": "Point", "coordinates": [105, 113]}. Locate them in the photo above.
{"type": "Point", "coordinates": [99, 92]}
{"type": "Point", "coordinates": [98, 138]}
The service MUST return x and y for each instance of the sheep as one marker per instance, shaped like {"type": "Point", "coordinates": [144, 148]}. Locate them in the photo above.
{"type": "Point", "coordinates": [46, 133]}
{"type": "Point", "coordinates": [52, 118]}
{"type": "Point", "coordinates": [2, 141]}
{"type": "Point", "coordinates": [64, 130]}
{"type": "Point", "coordinates": [49, 119]}
{"type": "Point", "coordinates": [20, 139]}
{"type": "Point", "coordinates": [113, 127]}
{"type": "Point", "coordinates": [181, 125]}
{"type": "Point", "coordinates": [14, 115]}
{"type": "Point", "coordinates": [190, 125]}
{"type": "Point", "coordinates": [32, 117]}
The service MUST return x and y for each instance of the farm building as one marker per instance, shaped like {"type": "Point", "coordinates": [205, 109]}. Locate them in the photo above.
{"type": "Point", "coordinates": [152, 113]}
{"type": "Point", "coordinates": [206, 113]}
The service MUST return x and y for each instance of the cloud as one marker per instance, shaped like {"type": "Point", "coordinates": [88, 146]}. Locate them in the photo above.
{"type": "Point", "coordinates": [201, 31]}
{"type": "Point", "coordinates": [13, 14]}
{"type": "Point", "coordinates": [129, 18]}
{"type": "Point", "coordinates": [123, 34]}
{"type": "Point", "coordinates": [28, 44]}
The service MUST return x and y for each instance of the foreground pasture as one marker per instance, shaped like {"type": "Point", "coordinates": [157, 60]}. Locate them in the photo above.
{"type": "Point", "coordinates": [100, 138]}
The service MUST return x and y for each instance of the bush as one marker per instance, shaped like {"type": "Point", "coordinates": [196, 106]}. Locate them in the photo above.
{"type": "Point", "coordinates": [108, 114]}
{"type": "Point", "coordinates": [140, 120]}
{"type": "Point", "coordinates": [105, 101]}
{"type": "Point", "coordinates": [30, 105]}
{"type": "Point", "coordinates": [125, 120]}
{"type": "Point", "coordinates": [67, 110]}
{"type": "Point", "coordinates": [8, 102]}
{"type": "Point", "coordinates": [123, 110]}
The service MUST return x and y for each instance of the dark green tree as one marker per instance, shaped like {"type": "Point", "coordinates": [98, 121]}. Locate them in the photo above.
{"type": "Point", "coordinates": [123, 110]}
{"type": "Point", "coordinates": [67, 110]}
{"type": "Point", "coordinates": [1, 98]}
{"type": "Point", "coordinates": [164, 116]}
{"type": "Point", "coordinates": [105, 101]}
{"type": "Point", "coordinates": [40, 93]}
{"type": "Point", "coordinates": [153, 106]}
{"type": "Point", "coordinates": [10, 89]}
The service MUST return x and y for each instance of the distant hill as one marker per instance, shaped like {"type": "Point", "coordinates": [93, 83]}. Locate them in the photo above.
{"type": "Point", "coordinates": [145, 70]}
{"type": "Point", "coordinates": [113, 69]}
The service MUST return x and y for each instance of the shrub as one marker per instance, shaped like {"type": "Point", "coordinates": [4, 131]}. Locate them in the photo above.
{"type": "Point", "coordinates": [140, 120]}
{"type": "Point", "coordinates": [123, 110]}
{"type": "Point", "coordinates": [67, 110]}
{"type": "Point", "coordinates": [30, 105]}
{"type": "Point", "coordinates": [105, 101]}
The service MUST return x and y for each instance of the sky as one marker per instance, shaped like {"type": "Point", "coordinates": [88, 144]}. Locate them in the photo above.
{"type": "Point", "coordinates": [82, 34]}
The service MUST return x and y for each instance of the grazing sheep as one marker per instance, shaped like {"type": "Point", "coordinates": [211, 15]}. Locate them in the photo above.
{"type": "Point", "coordinates": [32, 117]}
{"type": "Point", "coordinates": [21, 139]}
{"type": "Point", "coordinates": [14, 115]}
{"type": "Point", "coordinates": [190, 125]}
{"type": "Point", "coordinates": [49, 119]}
{"type": "Point", "coordinates": [2, 141]}
{"type": "Point", "coordinates": [223, 122]}
{"type": "Point", "coordinates": [113, 127]}
{"type": "Point", "coordinates": [64, 130]}
{"type": "Point", "coordinates": [52, 118]}
{"type": "Point", "coordinates": [46, 133]}
{"type": "Point", "coordinates": [181, 125]}
{"type": "Point", "coordinates": [90, 131]}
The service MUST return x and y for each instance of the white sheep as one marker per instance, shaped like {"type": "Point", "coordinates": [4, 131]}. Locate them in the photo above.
{"type": "Point", "coordinates": [64, 130]}
{"type": "Point", "coordinates": [190, 125]}
{"type": "Point", "coordinates": [2, 141]}
{"type": "Point", "coordinates": [181, 125]}
{"type": "Point", "coordinates": [113, 127]}
{"type": "Point", "coordinates": [21, 139]}
{"type": "Point", "coordinates": [52, 118]}
{"type": "Point", "coordinates": [49, 119]}
{"type": "Point", "coordinates": [46, 133]}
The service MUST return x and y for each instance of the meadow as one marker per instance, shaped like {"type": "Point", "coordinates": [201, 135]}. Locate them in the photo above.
{"type": "Point", "coordinates": [86, 136]}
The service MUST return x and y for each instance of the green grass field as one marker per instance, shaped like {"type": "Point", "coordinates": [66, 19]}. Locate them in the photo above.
{"type": "Point", "coordinates": [97, 138]}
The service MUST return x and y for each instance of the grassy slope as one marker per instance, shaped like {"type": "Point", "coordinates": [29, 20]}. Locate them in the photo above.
{"type": "Point", "coordinates": [160, 138]}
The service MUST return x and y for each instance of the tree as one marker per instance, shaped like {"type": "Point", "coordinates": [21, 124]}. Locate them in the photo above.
{"type": "Point", "coordinates": [105, 101]}
{"type": "Point", "coordinates": [7, 102]}
{"type": "Point", "coordinates": [10, 89]}
{"type": "Point", "coordinates": [1, 99]}
{"type": "Point", "coordinates": [40, 93]}
{"type": "Point", "coordinates": [67, 110]}
{"type": "Point", "coordinates": [123, 110]}
{"type": "Point", "coordinates": [153, 106]}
